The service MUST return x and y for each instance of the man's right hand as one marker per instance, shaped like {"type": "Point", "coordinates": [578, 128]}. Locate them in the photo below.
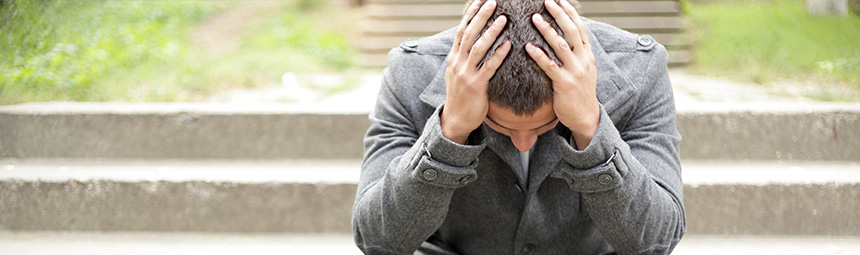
{"type": "Point", "coordinates": [466, 84]}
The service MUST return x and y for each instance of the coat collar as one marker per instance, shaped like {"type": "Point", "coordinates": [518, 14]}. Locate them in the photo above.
{"type": "Point", "coordinates": [544, 156]}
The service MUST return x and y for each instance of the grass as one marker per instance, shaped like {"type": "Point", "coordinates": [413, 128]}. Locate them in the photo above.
{"type": "Point", "coordinates": [770, 42]}
{"type": "Point", "coordinates": [141, 51]}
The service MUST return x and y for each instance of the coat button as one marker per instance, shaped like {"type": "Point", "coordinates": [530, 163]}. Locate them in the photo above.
{"type": "Point", "coordinates": [430, 174]}
{"type": "Point", "coordinates": [604, 179]}
{"type": "Point", "coordinates": [466, 179]}
{"type": "Point", "coordinates": [643, 40]}
{"type": "Point", "coordinates": [529, 248]}
{"type": "Point", "coordinates": [411, 43]}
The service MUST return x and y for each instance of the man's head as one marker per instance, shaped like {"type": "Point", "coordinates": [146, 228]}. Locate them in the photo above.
{"type": "Point", "coordinates": [520, 93]}
{"type": "Point", "coordinates": [519, 84]}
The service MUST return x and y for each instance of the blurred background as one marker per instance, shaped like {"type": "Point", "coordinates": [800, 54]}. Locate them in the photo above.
{"type": "Point", "coordinates": [235, 126]}
{"type": "Point", "coordinates": [179, 51]}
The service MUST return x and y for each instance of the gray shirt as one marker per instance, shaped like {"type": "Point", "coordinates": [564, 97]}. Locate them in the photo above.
{"type": "Point", "coordinates": [421, 193]}
{"type": "Point", "coordinates": [523, 172]}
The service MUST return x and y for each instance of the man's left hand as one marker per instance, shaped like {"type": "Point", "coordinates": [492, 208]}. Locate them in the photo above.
{"type": "Point", "coordinates": [575, 80]}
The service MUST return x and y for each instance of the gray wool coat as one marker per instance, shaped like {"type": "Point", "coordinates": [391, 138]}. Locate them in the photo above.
{"type": "Point", "coordinates": [420, 193]}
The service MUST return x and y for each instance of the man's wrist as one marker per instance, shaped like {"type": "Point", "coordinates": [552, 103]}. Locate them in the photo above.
{"type": "Point", "coordinates": [581, 141]}
{"type": "Point", "coordinates": [448, 151]}
{"type": "Point", "coordinates": [454, 136]}
{"type": "Point", "coordinates": [585, 130]}
{"type": "Point", "coordinates": [450, 131]}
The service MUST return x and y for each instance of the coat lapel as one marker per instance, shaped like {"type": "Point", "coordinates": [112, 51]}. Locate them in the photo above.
{"type": "Point", "coordinates": [434, 94]}
{"type": "Point", "coordinates": [613, 88]}
{"type": "Point", "coordinates": [502, 146]}
{"type": "Point", "coordinates": [544, 159]}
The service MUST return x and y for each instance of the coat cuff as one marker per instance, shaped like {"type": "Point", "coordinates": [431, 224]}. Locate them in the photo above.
{"type": "Point", "coordinates": [444, 162]}
{"type": "Point", "coordinates": [594, 168]}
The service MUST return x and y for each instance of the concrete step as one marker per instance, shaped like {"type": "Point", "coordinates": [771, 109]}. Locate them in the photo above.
{"type": "Point", "coordinates": [725, 198]}
{"type": "Point", "coordinates": [180, 131]}
{"type": "Point", "coordinates": [146, 243]}
{"type": "Point", "coordinates": [711, 131]}
{"type": "Point", "coordinates": [218, 196]}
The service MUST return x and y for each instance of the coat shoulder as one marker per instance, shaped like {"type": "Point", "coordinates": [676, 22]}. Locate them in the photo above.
{"type": "Point", "coordinates": [614, 39]}
{"type": "Point", "coordinates": [640, 57]}
{"type": "Point", "coordinates": [414, 64]}
{"type": "Point", "coordinates": [432, 47]}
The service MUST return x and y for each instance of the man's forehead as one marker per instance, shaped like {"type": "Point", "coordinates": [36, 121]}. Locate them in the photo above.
{"type": "Point", "coordinates": [506, 118]}
{"type": "Point", "coordinates": [519, 129]}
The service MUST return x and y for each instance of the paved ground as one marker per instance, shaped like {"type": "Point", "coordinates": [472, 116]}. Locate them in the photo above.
{"type": "Point", "coordinates": [37, 243]}
{"type": "Point", "coordinates": [691, 92]}
{"type": "Point", "coordinates": [343, 171]}
{"type": "Point", "coordinates": [693, 89]}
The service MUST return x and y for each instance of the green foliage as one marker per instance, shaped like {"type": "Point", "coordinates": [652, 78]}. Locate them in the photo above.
{"type": "Point", "coordinates": [685, 6]}
{"type": "Point", "coordinates": [309, 4]}
{"type": "Point", "coordinates": [103, 50]}
{"type": "Point", "coordinates": [854, 6]}
{"type": "Point", "coordinates": [57, 50]}
{"type": "Point", "coordinates": [300, 32]}
{"type": "Point", "coordinates": [770, 41]}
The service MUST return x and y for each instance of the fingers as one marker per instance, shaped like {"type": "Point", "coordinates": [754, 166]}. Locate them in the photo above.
{"type": "Point", "coordinates": [566, 24]}
{"type": "Point", "coordinates": [571, 11]}
{"type": "Point", "coordinates": [546, 64]}
{"type": "Point", "coordinates": [482, 46]}
{"type": "Point", "coordinates": [470, 12]}
{"type": "Point", "coordinates": [492, 64]}
{"type": "Point", "coordinates": [559, 45]}
{"type": "Point", "coordinates": [476, 25]}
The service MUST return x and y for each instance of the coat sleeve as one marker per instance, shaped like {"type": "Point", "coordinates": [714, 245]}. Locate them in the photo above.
{"type": "Point", "coordinates": [631, 180]}
{"type": "Point", "coordinates": [407, 178]}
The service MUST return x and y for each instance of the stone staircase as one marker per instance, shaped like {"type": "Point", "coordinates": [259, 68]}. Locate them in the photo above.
{"type": "Point", "coordinates": [773, 173]}
{"type": "Point", "coordinates": [388, 23]}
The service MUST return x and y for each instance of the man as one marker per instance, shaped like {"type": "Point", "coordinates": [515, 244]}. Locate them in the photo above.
{"type": "Point", "coordinates": [517, 133]}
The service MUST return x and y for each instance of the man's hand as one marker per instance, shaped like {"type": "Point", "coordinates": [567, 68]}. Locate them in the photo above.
{"type": "Point", "coordinates": [575, 81]}
{"type": "Point", "coordinates": [466, 84]}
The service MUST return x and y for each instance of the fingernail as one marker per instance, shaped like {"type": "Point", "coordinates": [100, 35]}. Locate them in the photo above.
{"type": "Point", "coordinates": [501, 19]}
{"type": "Point", "coordinates": [538, 17]}
{"type": "Point", "coordinates": [530, 47]}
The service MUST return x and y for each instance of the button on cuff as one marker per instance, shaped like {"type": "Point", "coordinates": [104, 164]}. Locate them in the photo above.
{"type": "Point", "coordinates": [604, 179]}
{"type": "Point", "coordinates": [600, 178]}
{"type": "Point", "coordinates": [430, 174]}
{"type": "Point", "coordinates": [438, 174]}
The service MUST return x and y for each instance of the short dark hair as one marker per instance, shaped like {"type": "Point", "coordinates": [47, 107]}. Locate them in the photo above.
{"type": "Point", "coordinates": [519, 84]}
